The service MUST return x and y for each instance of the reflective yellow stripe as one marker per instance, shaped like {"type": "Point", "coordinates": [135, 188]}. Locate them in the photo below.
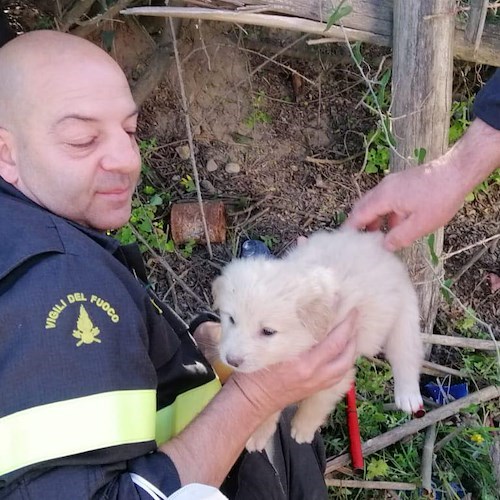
{"type": "Point", "coordinates": [172, 419]}
{"type": "Point", "coordinates": [75, 426]}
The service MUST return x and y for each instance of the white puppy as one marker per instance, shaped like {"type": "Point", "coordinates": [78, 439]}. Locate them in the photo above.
{"type": "Point", "coordinates": [273, 309]}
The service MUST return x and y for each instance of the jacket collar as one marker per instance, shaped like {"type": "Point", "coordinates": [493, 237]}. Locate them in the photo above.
{"type": "Point", "coordinates": [27, 229]}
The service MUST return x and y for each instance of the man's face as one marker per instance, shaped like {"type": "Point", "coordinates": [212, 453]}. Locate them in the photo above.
{"type": "Point", "coordinates": [76, 152]}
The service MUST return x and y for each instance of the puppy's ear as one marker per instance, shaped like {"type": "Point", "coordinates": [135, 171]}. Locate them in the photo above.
{"type": "Point", "coordinates": [217, 287]}
{"type": "Point", "coordinates": [318, 302]}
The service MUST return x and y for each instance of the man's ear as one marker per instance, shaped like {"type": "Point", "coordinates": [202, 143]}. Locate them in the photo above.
{"type": "Point", "coordinates": [8, 165]}
{"type": "Point", "coordinates": [318, 302]}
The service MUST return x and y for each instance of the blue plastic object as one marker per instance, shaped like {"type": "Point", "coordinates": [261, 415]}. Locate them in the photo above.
{"type": "Point", "coordinates": [445, 393]}
{"type": "Point", "coordinates": [457, 489]}
{"type": "Point", "coordinates": [254, 248]}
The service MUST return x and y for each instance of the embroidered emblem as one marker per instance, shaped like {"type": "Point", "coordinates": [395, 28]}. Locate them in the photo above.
{"type": "Point", "coordinates": [85, 329]}
{"type": "Point", "coordinates": [72, 299]}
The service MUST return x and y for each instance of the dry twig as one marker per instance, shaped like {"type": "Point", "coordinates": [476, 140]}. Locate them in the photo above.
{"type": "Point", "coordinates": [370, 485]}
{"type": "Point", "coordinates": [468, 247]}
{"type": "Point", "coordinates": [168, 268]}
{"type": "Point", "coordinates": [85, 28]}
{"type": "Point", "coordinates": [190, 137]}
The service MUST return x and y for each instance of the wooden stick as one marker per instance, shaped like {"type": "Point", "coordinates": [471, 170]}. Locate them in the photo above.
{"type": "Point", "coordinates": [440, 369]}
{"type": "Point", "coordinates": [427, 459]}
{"type": "Point", "coordinates": [428, 368]}
{"type": "Point", "coordinates": [413, 426]}
{"type": "Point", "coordinates": [272, 21]}
{"type": "Point", "coordinates": [448, 340]}
{"type": "Point", "coordinates": [187, 120]}
{"type": "Point", "coordinates": [472, 245]}
{"type": "Point", "coordinates": [371, 485]}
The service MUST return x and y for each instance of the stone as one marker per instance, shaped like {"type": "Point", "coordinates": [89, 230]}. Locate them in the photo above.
{"type": "Point", "coordinates": [232, 168]}
{"type": "Point", "coordinates": [184, 152]}
{"type": "Point", "coordinates": [212, 165]}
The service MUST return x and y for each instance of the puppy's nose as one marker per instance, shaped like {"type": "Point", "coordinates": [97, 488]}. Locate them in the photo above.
{"type": "Point", "coordinates": [234, 361]}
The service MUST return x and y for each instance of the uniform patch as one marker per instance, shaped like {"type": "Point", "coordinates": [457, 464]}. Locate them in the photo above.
{"type": "Point", "coordinates": [86, 331]}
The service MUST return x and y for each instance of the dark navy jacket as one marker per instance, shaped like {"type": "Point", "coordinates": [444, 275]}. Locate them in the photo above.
{"type": "Point", "coordinates": [77, 325]}
{"type": "Point", "coordinates": [487, 104]}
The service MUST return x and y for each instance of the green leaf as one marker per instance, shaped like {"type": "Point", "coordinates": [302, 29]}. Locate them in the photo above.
{"type": "Point", "coordinates": [241, 139]}
{"type": "Point", "coordinates": [371, 168]}
{"type": "Point", "coordinates": [470, 197]}
{"type": "Point", "coordinates": [356, 50]}
{"type": "Point", "coordinates": [377, 468]}
{"type": "Point", "coordinates": [340, 11]}
{"type": "Point", "coordinates": [420, 155]}
{"type": "Point", "coordinates": [445, 290]}
{"type": "Point", "coordinates": [169, 246]}
{"type": "Point", "coordinates": [107, 39]}
{"type": "Point", "coordinates": [431, 240]}
{"type": "Point", "coordinates": [156, 200]}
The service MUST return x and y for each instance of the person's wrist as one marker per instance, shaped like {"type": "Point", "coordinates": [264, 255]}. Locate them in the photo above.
{"type": "Point", "coordinates": [476, 155]}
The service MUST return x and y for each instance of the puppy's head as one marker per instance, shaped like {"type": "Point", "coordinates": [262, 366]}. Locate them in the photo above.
{"type": "Point", "coordinates": [271, 311]}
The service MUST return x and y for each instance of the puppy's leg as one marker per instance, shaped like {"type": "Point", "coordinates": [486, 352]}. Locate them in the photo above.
{"type": "Point", "coordinates": [261, 436]}
{"type": "Point", "coordinates": [404, 352]}
{"type": "Point", "coordinates": [313, 411]}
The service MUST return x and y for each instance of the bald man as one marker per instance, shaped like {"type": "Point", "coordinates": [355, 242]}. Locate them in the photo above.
{"type": "Point", "coordinates": [101, 385]}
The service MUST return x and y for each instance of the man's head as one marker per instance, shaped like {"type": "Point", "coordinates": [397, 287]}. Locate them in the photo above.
{"type": "Point", "coordinates": [67, 128]}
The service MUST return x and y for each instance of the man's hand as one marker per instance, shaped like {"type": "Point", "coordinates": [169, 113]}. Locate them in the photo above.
{"type": "Point", "coordinates": [207, 448]}
{"type": "Point", "coordinates": [413, 203]}
{"type": "Point", "coordinates": [421, 199]}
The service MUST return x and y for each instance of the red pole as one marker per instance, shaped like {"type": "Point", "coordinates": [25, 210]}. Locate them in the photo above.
{"type": "Point", "coordinates": [353, 428]}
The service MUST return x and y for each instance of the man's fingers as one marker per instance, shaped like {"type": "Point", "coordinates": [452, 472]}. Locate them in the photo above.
{"type": "Point", "coordinates": [338, 338]}
{"type": "Point", "coordinates": [369, 211]}
{"type": "Point", "coordinates": [402, 235]}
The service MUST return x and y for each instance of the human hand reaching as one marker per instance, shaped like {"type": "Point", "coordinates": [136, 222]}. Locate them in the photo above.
{"type": "Point", "coordinates": [421, 199]}
{"type": "Point", "coordinates": [413, 203]}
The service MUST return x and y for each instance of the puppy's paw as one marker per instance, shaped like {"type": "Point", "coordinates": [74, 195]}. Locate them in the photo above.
{"type": "Point", "coordinates": [260, 437]}
{"type": "Point", "coordinates": [302, 433]}
{"type": "Point", "coordinates": [410, 402]}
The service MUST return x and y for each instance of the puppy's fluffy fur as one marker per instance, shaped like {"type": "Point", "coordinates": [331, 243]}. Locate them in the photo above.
{"type": "Point", "coordinates": [272, 310]}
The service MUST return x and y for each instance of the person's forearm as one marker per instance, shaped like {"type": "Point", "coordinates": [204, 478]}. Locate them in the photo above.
{"type": "Point", "coordinates": [207, 449]}
{"type": "Point", "coordinates": [475, 156]}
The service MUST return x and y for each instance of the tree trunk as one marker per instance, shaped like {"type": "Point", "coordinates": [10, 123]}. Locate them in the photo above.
{"type": "Point", "coordinates": [421, 100]}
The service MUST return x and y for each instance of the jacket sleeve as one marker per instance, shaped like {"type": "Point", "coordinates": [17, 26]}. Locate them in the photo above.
{"type": "Point", "coordinates": [487, 104]}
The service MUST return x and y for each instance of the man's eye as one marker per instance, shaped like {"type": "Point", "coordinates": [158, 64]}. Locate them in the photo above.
{"type": "Point", "coordinates": [231, 320]}
{"type": "Point", "coordinates": [83, 145]}
{"type": "Point", "coordinates": [268, 332]}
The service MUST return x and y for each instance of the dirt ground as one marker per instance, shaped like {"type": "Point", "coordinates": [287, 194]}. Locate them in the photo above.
{"type": "Point", "coordinates": [294, 125]}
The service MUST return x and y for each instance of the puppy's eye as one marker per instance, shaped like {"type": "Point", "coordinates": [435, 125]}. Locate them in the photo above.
{"type": "Point", "coordinates": [268, 332]}
{"type": "Point", "coordinates": [231, 320]}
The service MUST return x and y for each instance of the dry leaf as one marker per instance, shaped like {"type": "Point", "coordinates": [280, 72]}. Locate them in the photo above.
{"type": "Point", "coordinates": [494, 282]}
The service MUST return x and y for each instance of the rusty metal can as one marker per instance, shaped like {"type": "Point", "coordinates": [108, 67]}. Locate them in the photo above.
{"type": "Point", "coordinates": [186, 222]}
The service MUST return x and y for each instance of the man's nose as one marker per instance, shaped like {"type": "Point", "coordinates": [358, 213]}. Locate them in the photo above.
{"type": "Point", "coordinates": [121, 154]}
